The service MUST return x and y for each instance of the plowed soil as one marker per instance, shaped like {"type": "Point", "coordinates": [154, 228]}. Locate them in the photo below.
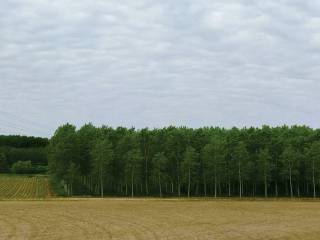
{"type": "Point", "coordinates": [159, 219]}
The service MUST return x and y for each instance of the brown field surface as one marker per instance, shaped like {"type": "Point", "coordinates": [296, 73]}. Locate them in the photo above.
{"type": "Point", "coordinates": [159, 219]}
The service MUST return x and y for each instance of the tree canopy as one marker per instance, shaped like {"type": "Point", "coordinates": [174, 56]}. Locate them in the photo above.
{"type": "Point", "coordinates": [180, 161]}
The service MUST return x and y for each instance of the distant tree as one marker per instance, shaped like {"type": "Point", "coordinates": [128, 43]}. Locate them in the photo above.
{"type": "Point", "coordinates": [213, 155]}
{"type": "Point", "coordinates": [144, 135]}
{"type": "Point", "coordinates": [22, 167]}
{"type": "Point", "coordinates": [289, 159]}
{"type": "Point", "coordinates": [63, 150]}
{"type": "Point", "coordinates": [265, 168]}
{"type": "Point", "coordinates": [102, 155]}
{"type": "Point", "coordinates": [87, 137]}
{"type": "Point", "coordinates": [3, 163]}
{"type": "Point", "coordinates": [313, 154]}
{"type": "Point", "coordinates": [189, 165]}
{"type": "Point", "coordinates": [71, 176]}
{"type": "Point", "coordinates": [241, 157]}
{"type": "Point", "coordinates": [159, 163]}
{"type": "Point", "coordinates": [133, 167]}
{"type": "Point", "coordinates": [248, 161]}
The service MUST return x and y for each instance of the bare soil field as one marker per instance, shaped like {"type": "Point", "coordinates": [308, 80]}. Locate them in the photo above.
{"type": "Point", "coordinates": [159, 219]}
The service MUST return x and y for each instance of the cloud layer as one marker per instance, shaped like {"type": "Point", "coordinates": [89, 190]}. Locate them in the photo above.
{"type": "Point", "coordinates": [147, 63]}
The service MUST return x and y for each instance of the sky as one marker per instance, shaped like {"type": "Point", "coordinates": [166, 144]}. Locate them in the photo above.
{"type": "Point", "coordinates": [148, 63]}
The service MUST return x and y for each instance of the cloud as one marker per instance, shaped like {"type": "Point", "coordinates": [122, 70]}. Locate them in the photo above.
{"type": "Point", "coordinates": [150, 63]}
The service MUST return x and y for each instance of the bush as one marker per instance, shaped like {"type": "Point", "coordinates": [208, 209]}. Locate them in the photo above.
{"type": "Point", "coordinates": [22, 167]}
{"type": "Point", "coordinates": [3, 163]}
{"type": "Point", "coordinates": [26, 167]}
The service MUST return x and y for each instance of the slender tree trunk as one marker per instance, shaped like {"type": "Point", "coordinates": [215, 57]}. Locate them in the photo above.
{"type": "Point", "coordinates": [205, 184]}
{"type": "Point", "coordinates": [265, 186]}
{"type": "Point", "coordinates": [276, 188]}
{"type": "Point", "coordinates": [252, 189]}
{"type": "Point", "coordinates": [126, 189]}
{"type": "Point", "coordinates": [146, 166]}
{"type": "Point", "coordinates": [178, 176]}
{"type": "Point", "coordinates": [160, 190]}
{"type": "Point", "coordinates": [229, 187]}
{"type": "Point", "coordinates": [101, 183]}
{"type": "Point", "coordinates": [240, 181]}
{"type": "Point", "coordinates": [215, 184]}
{"type": "Point", "coordinates": [290, 181]}
{"type": "Point", "coordinates": [313, 180]}
{"type": "Point", "coordinates": [189, 182]}
{"type": "Point", "coordinates": [132, 178]}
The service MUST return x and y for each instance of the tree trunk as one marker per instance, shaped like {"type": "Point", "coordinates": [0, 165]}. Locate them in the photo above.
{"type": "Point", "coordinates": [240, 181]}
{"type": "Point", "coordinates": [178, 176]}
{"type": "Point", "coordinates": [290, 181]}
{"type": "Point", "coordinates": [189, 182]}
{"type": "Point", "coordinates": [101, 183]}
{"type": "Point", "coordinates": [253, 190]}
{"type": "Point", "coordinates": [276, 188]}
{"type": "Point", "coordinates": [160, 190]}
{"type": "Point", "coordinates": [265, 186]}
{"type": "Point", "coordinates": [215, 184]}
{"type": "Point", "coordinates": [132, 183]}
{"type": "Point", "coordinates": [313, 180]}
{"type": "Point", "coordinates": [146, 165]}
{"type": "Point", "coordinates": [126, 189]}
{"type": "Point", "coordinates": [205, 185]}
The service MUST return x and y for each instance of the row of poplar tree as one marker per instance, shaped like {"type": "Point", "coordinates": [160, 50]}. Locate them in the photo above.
{"type": "Point", "coordinates": [180, 161]}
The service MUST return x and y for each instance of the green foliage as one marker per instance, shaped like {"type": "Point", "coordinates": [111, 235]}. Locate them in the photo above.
{"type": "Point", "coordinates": [3, 163]}
{"type": "Point", "coordinates": [102, 156]}
{"type": "Point", "coordinates": [182, 161]}
{"type": "Point", "coordinates": [264, 164]}
{"type": "Point", "coordinates": [23, 141]}
{"type": "Point", "coordinates": [26, 167]}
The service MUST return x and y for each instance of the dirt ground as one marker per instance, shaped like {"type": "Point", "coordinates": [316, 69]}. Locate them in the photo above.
{"type": "Point", "coordinates": [159, 219]}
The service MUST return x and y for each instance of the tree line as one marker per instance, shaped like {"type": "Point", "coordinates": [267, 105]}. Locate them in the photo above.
{"type": "Point", "coordinates": [17, 141]}
{"type": "Point", "coordinates": [180, 161]}
{"type": "Point", "coordinates": [16, 151]}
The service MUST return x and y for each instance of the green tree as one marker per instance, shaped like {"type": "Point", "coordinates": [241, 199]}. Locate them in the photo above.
{"type": "Point", "coordinates": [289, 159]}
{"type": "Point", "coordinates": [265, 168]}
{"type": "Point", "coordinates": [3, 163]}
{"type": "Point", "coordinates": [22, 167]}
{"type": "Point", "coordinates": [189, 165]}
{"type": "Point", "coordinates": [102, 155]}
{"type": "Point", "coordinates": [313, 154]}
{"type": "Point", "coordinates": [159, 164]}
{"type": "Point", "coordinates": [241, 157]}
{"type": "Point", "coordinates": [71, 176]}
{"type": "Point", "coordinates": [213, 155]}
{"type": "Point", "coordinates": [133, 167]}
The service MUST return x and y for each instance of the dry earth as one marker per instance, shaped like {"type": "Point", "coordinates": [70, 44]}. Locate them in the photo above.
{"type": "Point", "coordinates": [159, 219]}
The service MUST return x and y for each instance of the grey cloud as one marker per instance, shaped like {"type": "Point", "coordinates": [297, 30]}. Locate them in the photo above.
{"type": "Point", "coordinates": [149, 63]}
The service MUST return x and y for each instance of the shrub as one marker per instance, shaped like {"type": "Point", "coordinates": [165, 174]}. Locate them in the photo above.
{"type": "Point", "coordinates": [26, 167]}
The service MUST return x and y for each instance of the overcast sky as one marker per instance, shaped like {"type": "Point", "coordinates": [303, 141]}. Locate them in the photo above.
{"type": "Point", "coordinates": [148, 63]}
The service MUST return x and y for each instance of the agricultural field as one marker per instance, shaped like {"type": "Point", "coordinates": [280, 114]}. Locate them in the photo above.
{"type": "Point", "coordinates": [170, 219]}
{"type": "Point", "coordinates": [24, 187]}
